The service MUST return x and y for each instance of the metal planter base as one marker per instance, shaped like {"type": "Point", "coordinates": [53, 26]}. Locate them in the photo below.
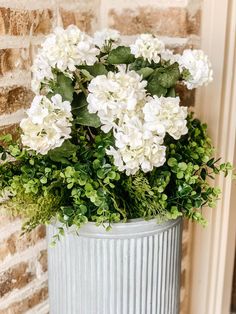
{"type": "Point", "coordinates": [132, 269]}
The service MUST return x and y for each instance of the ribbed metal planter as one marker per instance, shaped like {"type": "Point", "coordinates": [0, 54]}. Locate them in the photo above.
{"type": "Point", "coordinates": [132, 269]}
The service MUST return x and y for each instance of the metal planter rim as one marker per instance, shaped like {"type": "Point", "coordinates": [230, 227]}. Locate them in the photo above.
{"type": "Point", "coordinates": [133, 228]}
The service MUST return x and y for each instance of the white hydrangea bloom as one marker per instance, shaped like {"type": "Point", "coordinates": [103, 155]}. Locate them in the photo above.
{"type": "Point", "coordinates": [148, 47]}
{"type": "Point", "coordinates": [168, 55]}
{"type": "Point", "coordinates": [42, 72]}
{"type": "Point", "coordinates": [63, 50]}
{"type": "Point", "coordinates": [137, 148]}
{"type": "Point", "coordinates": [165, 115]}
{"type": "Point", "coordinates": [47, 125]}
{"type": "Point", "coordinates": [199, 67]}
{"type": "Point", "coordinates": [147, 156]}
{"type": "Point", "coordinates": [139, 123]}
{"type": "Point", "coordinates": [107, 37]}
{"type": "Point", "coordinates": [112, 95]}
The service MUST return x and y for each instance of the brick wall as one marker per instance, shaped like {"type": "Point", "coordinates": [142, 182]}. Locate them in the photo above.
{"type": "Point", "coordinates": [23, 25]}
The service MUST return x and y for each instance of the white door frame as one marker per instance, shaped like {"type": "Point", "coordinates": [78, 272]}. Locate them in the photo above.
{"type": "Point", "coordinates": [213, 246]}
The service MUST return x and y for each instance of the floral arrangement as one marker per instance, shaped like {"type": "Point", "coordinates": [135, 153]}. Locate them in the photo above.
{"type": "Point", "coordinates": [106, 138]}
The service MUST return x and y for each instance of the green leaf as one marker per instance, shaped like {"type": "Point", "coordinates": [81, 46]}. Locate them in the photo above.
{"type": "Point", "coordinates": [203, 174]}
{"type": "Point", "coordinates": [211, 162]}
{"type": "Point", "coordinates": [184, 190]}
{"type": "Point", "coordinates": [96, 69]}
{"type": "Point", "coordinates": [162, 79]}
{"type": "Point", "coordinates": [60, 154]}
{"type": "Point", "coordinates": [172, 162]}
{"type": "Point", "coordinates": [86, 74]}
{"type": "Point", "coordinates": [155, 89]}
{"type": "Point", "coordinates": [145, 72]}
{"type": "Point", "coordinates": [182, 166]}
{"type": "Point", "coordinates": [83, 117]}
{"type": "Point", "coordinates": [4, 156]}
{"type": "Point", "coordinates": [180, 174]}
{"type": "Point", "coordinates": [101, 173]}
{"type": "Point", "coordinates": [7, 138]}
{"type": "Point", "coordinates": [169, 77]}
{"type": "Point", "coordinates": [87, 119]}
{"type": "Point", "coordinates": [63, 87]}
{"type": "Point", "coordinates": [171, 92]}
{"type": "Point", "coordinates": [83, 209]}
{"type": "Point", "coordinates": [43, 180]}
{"type": "Point", "coordinates": [120, 55]}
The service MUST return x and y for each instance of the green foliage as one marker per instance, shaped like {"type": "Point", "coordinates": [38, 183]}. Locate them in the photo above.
{"type": "Point", "coordinates": [120, 55]}
{"type": "Point", "coordinates": [163, 80]}
{"type": "Point", "coordinates": [95, 70]}
{"type": "Point", "coordinates": [61, 154]}
{"type": "Point", "coordinates": [168, 76]}
{"type": "Point", "coordinates": [83, 117]}
{"type": "Point", "coordinates": [64, 87]}
{"type": "Point", "coordinates": [77, 183]}
{"type": "Point", "coordinates": [155, 89]}
{"type": "Point", "coordinates": [145, 72]}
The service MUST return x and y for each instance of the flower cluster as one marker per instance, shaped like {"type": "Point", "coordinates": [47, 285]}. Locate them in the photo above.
{"type": "Point", "coordinates": [195, 62]}
{"type": "Point", "coordinates": [139, 116]}
{"type": "Point", "coordinates": [115, 94]}
{"type": "Point", "coordinates": [165, 115]}
{"type": "Point", "coordinates": [47, 125]}
{"type": "Point", "coordinates": [198, 66]}
{"type": "Point", "coordinates": [148, 47]}
{"type": "Point", "coordinates": [107, 39]}
{"type": "Point", "coordinates": [139, 123]}
{"type": "Point", "coordinates": [63, 50]}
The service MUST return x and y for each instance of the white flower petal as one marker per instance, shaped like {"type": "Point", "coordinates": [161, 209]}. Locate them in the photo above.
{"type": "Point", "coordinates": [47, 125]}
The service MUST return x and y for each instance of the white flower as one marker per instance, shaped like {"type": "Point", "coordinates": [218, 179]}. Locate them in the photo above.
{"type": "Point", "coordinates": [112, 95]}
{"type": "Point", "coordinates": [70, 47]}
{"type": "Point", "coordinates": [152, 120]}
{"type": "Point", "coordinates": [151, 154]}
{"type": "Point", "coordinates": [168, 55]}
{"type": "Point", "coordinates": [148, 47]}
{"type": "Point", "coordinates": [137, 148]}
{"type": "Point", "coordinates": [199, 67]}
{"type": "Point", "coordinates": [63, 50]}
{"type": "Point", "coordinates": [165, 115]}
{"type": "Point", "coordinates": [139, 123]}
{"type": "Point", "coordinates": [107, 37]}
{"type": "Point", "coordinates": [47, 125]}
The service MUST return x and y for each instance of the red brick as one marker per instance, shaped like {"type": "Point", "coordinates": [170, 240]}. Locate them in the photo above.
{"type": "Point", "coordinates": [43, 260]}
{"type": "Point", "coordinates": [14, 59]}
{"type": "Point", "coordinates": [13, 129]}
{"type": "Point", "coordinates": [82, 19]}
{"type": "Point", "coordinates": [14, 98]}
{"type": "Point", "coordinates": [28, 303]}
{"type": "Point", "coordinates": [15, 278]}
{"type": "Point", "coordinates": [173, 22]}
{"type": "Point", "coordinates": [5, 219]}
{"type": "Point", "coordinates": [21, 22]}
{"type": "Point", "coordinates": [15, 243]}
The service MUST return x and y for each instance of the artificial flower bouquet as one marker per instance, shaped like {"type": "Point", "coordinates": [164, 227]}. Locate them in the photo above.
{"type": "Point", "coordinates": [106, 138]}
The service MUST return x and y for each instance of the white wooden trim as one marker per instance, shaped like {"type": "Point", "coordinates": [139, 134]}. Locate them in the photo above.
{"type": "Point", "coordinates": [213, 247]}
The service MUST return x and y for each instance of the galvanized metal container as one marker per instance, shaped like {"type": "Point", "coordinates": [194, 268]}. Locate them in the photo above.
{"type": "Point", "coordinates": [132, 269]}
